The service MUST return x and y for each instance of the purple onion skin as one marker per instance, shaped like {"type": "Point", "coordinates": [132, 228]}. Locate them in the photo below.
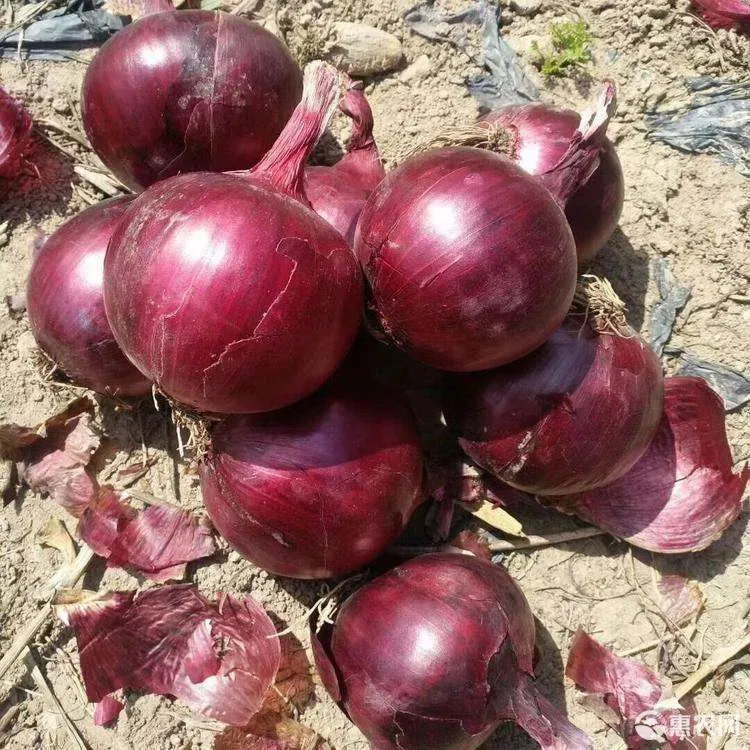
{"type": "Point", "coordinates": [65, 303]}
{"type": "Point", "coordinates": [338, 196]}
{"type": "Point", "coordinates": [244, 300]}
{"type": "Point", "coordinates": [724, 14]}
{"type": "Point", "coordinates": [470, 261]}
{"type": "Point", "coordinates": [435, 654]}
{"type": "Point", "coordinates": [318, 489]}
{"type": "Point", "coordinates": [187, 91]}
{"type": "Point", "coordinates": [683, 493]}
{"type": "Point", "coordinates": [541, 136]}
{"type": "Point", "coordinates": [15, 133]}
{"type": "Point", "coordinates": [574, 415]}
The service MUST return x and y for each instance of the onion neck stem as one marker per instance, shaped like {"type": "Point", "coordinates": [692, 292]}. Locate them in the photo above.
{"type": "Point", "coordinates": [283, 166]}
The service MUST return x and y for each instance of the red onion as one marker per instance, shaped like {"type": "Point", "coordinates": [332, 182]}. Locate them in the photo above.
{"type": "Point", "coordinates": [540, 136]}
{"type": "Point", "coordinates": [725, 14]}
{"type": "Point", "coordinates": [226, 291]}
{"type": "Point", "coordinates": [15, 134]}
{"type": "Point", "coordinates": [682, 494]}
{"type": "Point", "coordinates": [318, 489]}
{"type": "Point", "coordinates": [66, 306]}
{"type": "Point", "coordinates": [574, 415]}
{"type": "Point", "coordinates": [470, 260]}
{"type": "Point", "coordinates": [187, 90]}
{"type": "Point", "coordinates": [339, 193]}
{"type": "Point", "coordinates": [436, 654]}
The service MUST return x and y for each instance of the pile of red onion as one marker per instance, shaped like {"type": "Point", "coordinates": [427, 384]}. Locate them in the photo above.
{"type": "Point", "coordinates": [235, 284]}
{"type": "Point", "coordinates": [225, 312]}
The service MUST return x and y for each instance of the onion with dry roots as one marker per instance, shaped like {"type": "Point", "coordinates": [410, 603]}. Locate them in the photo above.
{"type": "Point", "coordinates": [228, 291]}
{"type": "Point", "coordinates": [683, 493]}
{"type": "Point", "coordinates": [540, 134]}
{"type": "Point", "coordinates": [65, 303]}
{"type": "Point", "coordinates": [436, 654]}
{"type": "Point", "coordinates": [575, 414]}
{"type": "Point", "coordinates": [320, 488]}
{"type": "Point", "coordinates": [187, 90]}
{"type": "Point", "coordinates": [470, 260]}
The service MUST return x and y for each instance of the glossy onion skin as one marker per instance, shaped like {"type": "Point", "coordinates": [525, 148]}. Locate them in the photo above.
{"type": "Point", "coordinates": [682, 494]}
{"type": "Point", "coordinates": [470, 261]}
{"type": "Point", "coordinates": [230, 296]}
{"type": "Point", "coordinates": [65, 303]}
{"type": "Point", "coordinates": [186, 91]}
{"type": "Point", "coordinates": [15, 132]}
{"type": "Point", "coordinates": [319, 489]}
{"type": "Point", "coordinates": [435, 654]}
{"type": "Point", "coordinates": [337, 194]}
{"type": "Point", "coordinates": [541, 135]}
{"type": "Point", "coordinates": [574, 415]}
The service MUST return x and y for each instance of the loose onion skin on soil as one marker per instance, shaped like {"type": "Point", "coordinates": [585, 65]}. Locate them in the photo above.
{"type": "Point", "coordinates": [227, 291]}
{"type": "Point", "coordinates": [540, 135]}
{"type": "Point", "coordinates": [435, 654]}
{"type": "Point", "coordinates": [318, 489]}
{"type": "Point", "coordinates": [15, 133]}
{"type": "Point", "coordinates": [574, 415]}
{"type": "Point", "coordinates": [187, 91]}
{"type": "Point", "coordinates": [682, 494]}
{"type": "Point", "coordinates": [65, 303]}
{"type": "Point", "coordinates": [338, 193]}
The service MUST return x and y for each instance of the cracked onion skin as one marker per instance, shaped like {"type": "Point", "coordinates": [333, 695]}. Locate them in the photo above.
{"type": "Point", "coordinates": [470, 261]}
{"type": "Point", "coordinates": [187, 91]}
{"type": "Point", "coordinates": [574, 415]}
{"type": "Point", "coordinates": [225, 312]}
{"type": "Point", "coordinates": [65, 303]}
{"type": "Point", "coordinates": [540, 136]}
{"type": "Point", "coordinates": [320, 488]}
{"type": "Point", "coordinates": [435, 654]}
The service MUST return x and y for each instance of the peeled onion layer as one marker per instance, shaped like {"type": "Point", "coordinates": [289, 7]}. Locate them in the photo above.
{"type": "Point", "coordinates": [157, 542]}
{"type": "Point", "coordinates": [15, 133]}
{"type": "Point", "coordinates": [220, 659]}
{"type": "Point", "coordinates": [338, 193]}
{"type": "Point", "coordinates": [65, 303]}
{"type": "Point", "coordinates": [187, 91]}
{"type": "Point", "coordinates": [540, 136]}
{"type": "Point", "coordinates": [629, 696]}
{"type": "Point", "coordinates": [574, 415]}
{"type": "Point", "coordinates": [318, 489]}
{"type": "Point", "coordinates": [682, 495]}
{"type": "Point", "coordinates": [437, 653]}
{"type": "Point", "coordinates": [227, 291]}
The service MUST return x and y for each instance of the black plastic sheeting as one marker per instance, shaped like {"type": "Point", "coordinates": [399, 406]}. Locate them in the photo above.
{"type": "Point", "coordinates": [731, 385]}
{"type": "Point", "coordinates": [60, 33]}
{"type": "Point", "coordinates": [506, 81]}
{"type": "Point", "coordinates": [672, 298]}
{"type": "Point", "coordinates": [715, 120]}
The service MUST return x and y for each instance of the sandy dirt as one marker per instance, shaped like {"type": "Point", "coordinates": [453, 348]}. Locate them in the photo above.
{"type": "Point", "coordinates": [692, 210]}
